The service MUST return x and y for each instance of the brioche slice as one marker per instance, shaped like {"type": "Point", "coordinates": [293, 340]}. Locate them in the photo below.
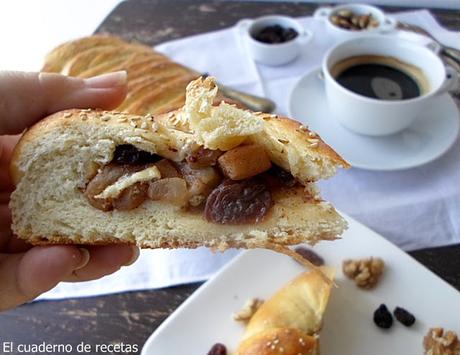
{"type": "Point", "coordinates": [289, 322]}
{"type": "Point", "coordinates": [98, 177]}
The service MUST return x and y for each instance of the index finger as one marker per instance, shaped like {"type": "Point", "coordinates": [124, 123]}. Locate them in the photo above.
{"type": "Point", "coordinates": [25, 98]}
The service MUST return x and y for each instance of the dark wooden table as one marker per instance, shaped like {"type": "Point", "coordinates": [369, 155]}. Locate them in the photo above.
{"type": "Point", "coordinates": [131, 317]}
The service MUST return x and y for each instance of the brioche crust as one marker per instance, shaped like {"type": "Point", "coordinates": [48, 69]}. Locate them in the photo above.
{"type": "Point", "coordinates": [291, 319]}
{"type": "Point", "coordinates": [283, 341]}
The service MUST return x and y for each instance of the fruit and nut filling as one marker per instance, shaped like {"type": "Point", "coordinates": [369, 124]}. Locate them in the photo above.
{"type": "Point", "coordinates": [232, 187]}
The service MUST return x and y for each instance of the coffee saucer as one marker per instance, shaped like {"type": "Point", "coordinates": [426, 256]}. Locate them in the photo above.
{"type": "Point", "coordinates": [430, 136]}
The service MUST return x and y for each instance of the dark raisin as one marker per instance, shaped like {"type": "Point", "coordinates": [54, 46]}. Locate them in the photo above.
{"type": "Point", "coordinates": [238, 202]}
{"type": "Point", "coordinates": [310, 255]}
{"type": "Point", "coordinates": [218, 349]}
{"type": "Point", "coordinates": [275, 34]}
{"type": "Point", "coordinates": [129, 154]}
{"type": "Point", "coordinates": [404, 316]}
{"type": "Point", "coordinates": [277, 29]}
{"type": "Point", "coordinates": [284, 177]}
{"type": "Point", "coordinates": [290, 34]}
{"type": "Point", "coordinates": [382, 317]}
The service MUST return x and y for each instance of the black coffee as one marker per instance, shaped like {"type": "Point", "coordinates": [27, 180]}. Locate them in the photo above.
{"type": "Point", "coordinates": [382, 78]}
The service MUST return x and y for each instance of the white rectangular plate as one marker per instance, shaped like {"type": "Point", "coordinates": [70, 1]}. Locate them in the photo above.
{"type": "Point", "coordinates": [205, 317]}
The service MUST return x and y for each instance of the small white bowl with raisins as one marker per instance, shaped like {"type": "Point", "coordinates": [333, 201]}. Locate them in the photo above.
{"type": "Point", "coordinates": [274, 40]}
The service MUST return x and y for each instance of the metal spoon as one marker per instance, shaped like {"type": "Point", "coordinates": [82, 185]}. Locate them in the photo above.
{"type": "Point", "coordinates": [446, 51]}
{"type": "Point", "coordinates": [454, 64]}
{"type": "Point", "coordinates": [252, 102]}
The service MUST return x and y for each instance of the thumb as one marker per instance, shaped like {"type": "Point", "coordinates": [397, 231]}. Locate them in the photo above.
{"type": "Point", "coordinates": [24, 276]}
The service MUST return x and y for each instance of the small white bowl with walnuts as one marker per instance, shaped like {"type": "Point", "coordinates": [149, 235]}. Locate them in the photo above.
{"type": "Point", "coordinates": [349, 21]}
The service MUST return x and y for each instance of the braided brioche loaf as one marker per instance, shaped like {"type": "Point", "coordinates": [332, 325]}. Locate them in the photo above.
{"type": "Point", "coordinates": [155, 83]}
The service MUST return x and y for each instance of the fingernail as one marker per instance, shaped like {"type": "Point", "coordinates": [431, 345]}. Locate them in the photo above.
{"type": "Point", "coordinates": [85, 256]}
{"type": "Point", "coordinates": [118, 78]}
{"type": "Point", "coordinates": [136, 251]}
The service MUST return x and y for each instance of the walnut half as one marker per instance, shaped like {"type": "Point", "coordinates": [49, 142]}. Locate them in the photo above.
{"type": "Point", "coordinates": [365, 272]}
{"type": "Point", "coordinates": [439, 342]}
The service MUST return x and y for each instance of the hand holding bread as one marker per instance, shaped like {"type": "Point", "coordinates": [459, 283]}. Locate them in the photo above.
{"type": "Point", "coordinates": [200, 171]}
{"type": "Point", "coordinates": [27, 271]}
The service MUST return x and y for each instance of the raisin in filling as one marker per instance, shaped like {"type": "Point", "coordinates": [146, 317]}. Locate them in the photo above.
{"type": "Point", "coordinates": [238, 202]}
{"type": "Point", "coordinates": [129, 154]}
{"type": "Point", "coordinates": [283, 178]}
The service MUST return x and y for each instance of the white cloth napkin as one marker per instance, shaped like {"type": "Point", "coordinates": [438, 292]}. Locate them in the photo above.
{"type": "Point", "coordinates": [413, 208]}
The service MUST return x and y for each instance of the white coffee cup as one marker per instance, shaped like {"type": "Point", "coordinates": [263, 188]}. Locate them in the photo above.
{"type": "Point", "coordinates": [376, 117]}
{"type": "Point", "coordinates": [278, 53]}
{"type": "Point", "coordinates": [386, 23]}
